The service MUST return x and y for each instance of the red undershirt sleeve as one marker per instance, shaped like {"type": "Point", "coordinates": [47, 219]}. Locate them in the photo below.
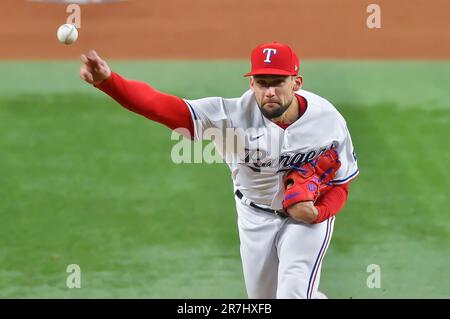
{"type": "Point", "coordinates": [173, 112]}
{"type": "Point", "coordinates": [331, 202]}
{"type": "Point", "coordinates": [141, 98]}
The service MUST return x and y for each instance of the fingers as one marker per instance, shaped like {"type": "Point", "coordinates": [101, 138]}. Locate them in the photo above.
{"type": "Point", "coordinates": [88, 65]}
{"type": "Point", "coordinates": [86, 75]}
{"type": "Point", "coordinates": [93, 57]}
{"type": "Point", "coordinates": [84, 59]}
{"type": "Point", "coordinates": [94, 70]}
{"type": "Point", "coordinates": [92, 60]}
{"type": "Point", "coordinates": [87, 60]}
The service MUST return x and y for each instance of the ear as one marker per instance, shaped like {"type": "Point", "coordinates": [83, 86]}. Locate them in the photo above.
{"type": "Point", "coordinates": [298, 83]}
{"type": "Point", "coordinates": [252, 84]}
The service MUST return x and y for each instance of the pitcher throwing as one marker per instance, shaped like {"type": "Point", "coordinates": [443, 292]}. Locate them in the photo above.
{"type": "Point", "coordinates": [293, 173]}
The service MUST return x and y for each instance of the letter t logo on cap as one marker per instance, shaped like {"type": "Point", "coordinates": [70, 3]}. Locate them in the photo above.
{"type": "Point", "coordinates": [269, 54]}
{"type": "Point", "coordinates": [273, 58]}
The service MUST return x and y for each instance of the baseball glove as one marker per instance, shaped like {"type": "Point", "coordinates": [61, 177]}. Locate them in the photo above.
{"type": "Point", "coordinates": [308, 182]}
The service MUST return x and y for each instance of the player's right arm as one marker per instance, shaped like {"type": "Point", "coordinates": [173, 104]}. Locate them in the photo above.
{"type": "Point", "coordinates": [136, 96]}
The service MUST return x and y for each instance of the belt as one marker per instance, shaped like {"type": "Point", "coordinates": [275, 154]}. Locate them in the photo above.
{"type": "Point", "coordinates": [268, 210]}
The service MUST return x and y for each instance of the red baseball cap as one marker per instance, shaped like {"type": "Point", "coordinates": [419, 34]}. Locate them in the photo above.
{"type": "Point", "coordinates": [274, 58]}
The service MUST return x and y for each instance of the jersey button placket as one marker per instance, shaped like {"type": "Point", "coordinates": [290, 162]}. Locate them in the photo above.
{"type": "Point", "coordinates": [285, 140]}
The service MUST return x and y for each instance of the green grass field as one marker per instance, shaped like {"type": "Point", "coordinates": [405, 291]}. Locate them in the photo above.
{"type": "Point", "coordinates": [83, 181]}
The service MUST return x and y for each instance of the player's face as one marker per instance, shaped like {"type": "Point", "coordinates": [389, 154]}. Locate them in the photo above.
{"type": "Point", "coordinates": [274, 93]}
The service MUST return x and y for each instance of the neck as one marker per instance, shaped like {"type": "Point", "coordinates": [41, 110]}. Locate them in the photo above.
{"type": "Point", "coordinates": [290, 115]}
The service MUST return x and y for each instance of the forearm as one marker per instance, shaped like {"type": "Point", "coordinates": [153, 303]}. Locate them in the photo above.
{"type": "Point", "coordinates": [331, 202]}
{"type": "Point", "coordinates": [326, 206]}
{"type": "Point", "coordinates": [142, 99]}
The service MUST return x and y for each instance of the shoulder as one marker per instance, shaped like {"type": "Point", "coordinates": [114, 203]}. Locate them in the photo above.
{"type": "Point", "coordinates": [243, 111]}
{"type": "Point", "coordinates": [241, 102]}
{"type": "Point", "coordinates": [317, 101]}
{"type": "Point", "coordinates": [240, 111]}
{"type": "Point", "coordinates": [321, 108]}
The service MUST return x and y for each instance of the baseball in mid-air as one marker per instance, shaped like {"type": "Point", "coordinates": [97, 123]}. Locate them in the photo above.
{"type": "Point", "coordinates": [67, 33]}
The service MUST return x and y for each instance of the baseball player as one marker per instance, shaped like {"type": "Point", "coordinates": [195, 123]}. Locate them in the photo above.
{"type": "Point", "coordinates": [292, 176]}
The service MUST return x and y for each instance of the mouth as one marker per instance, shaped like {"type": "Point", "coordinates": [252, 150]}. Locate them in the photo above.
{"type": "Point", "coordinates": [271, 104]}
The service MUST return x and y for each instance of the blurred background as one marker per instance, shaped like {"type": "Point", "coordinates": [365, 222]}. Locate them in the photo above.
{"type": "Point", "coordinates": [83, 181]}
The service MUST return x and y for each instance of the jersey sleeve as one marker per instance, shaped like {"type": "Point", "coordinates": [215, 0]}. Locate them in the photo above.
{"type": "Point", "coordinates": [207, 113]}
{"type": "Point", "coordinates": [349, 165]}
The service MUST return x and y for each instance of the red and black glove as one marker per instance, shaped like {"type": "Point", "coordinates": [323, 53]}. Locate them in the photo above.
{"type": "Point", "coordinates": [308, 182]}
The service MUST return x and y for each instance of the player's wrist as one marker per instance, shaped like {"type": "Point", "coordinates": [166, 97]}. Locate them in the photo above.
{"type": "Point", "coordinates": [320, 215]}
{"type": "Point", "coordinates": [315, 212]}
{"type": "Point", "coordinates": [304, 212]}
{"type": "Point", "coordinates": [104, 81]}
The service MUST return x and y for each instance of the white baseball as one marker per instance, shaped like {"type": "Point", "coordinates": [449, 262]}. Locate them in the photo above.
{"type": "Point", "coordinates": [67, 33]}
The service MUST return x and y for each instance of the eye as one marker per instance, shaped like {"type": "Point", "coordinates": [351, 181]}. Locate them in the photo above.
{"type": "Point", "coordinates": [262, 83]}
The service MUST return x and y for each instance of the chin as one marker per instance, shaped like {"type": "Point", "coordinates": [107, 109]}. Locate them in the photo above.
{"type": "Point", "coordinates": [273, 112]}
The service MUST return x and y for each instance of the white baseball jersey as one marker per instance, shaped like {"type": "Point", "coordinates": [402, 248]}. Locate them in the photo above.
{"type": "Point", "coordinates": [281, 257]}
{"type": "Point", "coordinates": [269, 151]}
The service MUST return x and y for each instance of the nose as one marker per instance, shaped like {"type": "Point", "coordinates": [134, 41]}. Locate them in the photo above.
{"type": "Point", "coordinates": [270, 91]}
